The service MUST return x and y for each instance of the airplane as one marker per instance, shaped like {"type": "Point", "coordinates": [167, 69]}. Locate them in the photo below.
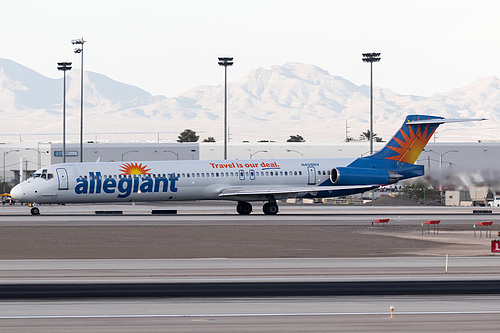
{"type": "Point", "coordinates": [244, 181]}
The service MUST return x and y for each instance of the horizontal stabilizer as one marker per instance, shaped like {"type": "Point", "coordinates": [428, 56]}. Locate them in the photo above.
{"type": "Point", "coordinates": [442, 121]}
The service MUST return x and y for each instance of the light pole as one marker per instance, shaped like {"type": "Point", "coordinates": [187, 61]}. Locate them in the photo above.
{"type": "Point", "coordinates": [225, 61]}
{"type": "Point", "coordinates": [259, 151]}
{"type": "Point", "coordinates": [130, 151]}
{"type": "Point", "coordinates": [64, 66]}
{"type": "Point", "coordinates": [295, 151]}
{"type": "Point", "coordinates": [173, 152]}
{"type": "Point", "coordinates": [4, 154]}
{"type": "Point", "coordinates": [80, 50]}
{"type": "Point", "coordinates": [39, 163]}
{"type": "Point", "coordinates": [441, 168]}
{"type": "Point", "coordinates": [371, 58]}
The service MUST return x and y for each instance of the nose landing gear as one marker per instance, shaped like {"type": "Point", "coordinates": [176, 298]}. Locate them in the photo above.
{"type": "Point", "coordinates": [35, 211]}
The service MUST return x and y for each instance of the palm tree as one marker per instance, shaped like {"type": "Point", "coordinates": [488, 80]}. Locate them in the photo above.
{"type": "Point", "coordinates": [365, 136]}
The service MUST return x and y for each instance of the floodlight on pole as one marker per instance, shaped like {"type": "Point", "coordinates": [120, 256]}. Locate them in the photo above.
{"type": "Point", "coordinates": [64, 66]}
{"type": "Point", "coordinates": [371, 58]}
{"type": "Point", "coordinates": [80, 42]}
{"type": "Point", "coordinates": [225, 61]}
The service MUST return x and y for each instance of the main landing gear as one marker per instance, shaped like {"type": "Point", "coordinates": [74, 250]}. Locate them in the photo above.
{"type": "Point", "coordinates": [35, 211]}
{"type": "Point", "coordinates": [245, 208]}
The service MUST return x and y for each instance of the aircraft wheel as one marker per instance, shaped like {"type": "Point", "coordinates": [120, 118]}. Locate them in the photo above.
{"type": "Point", "coordinates": [270, 208]}
{"type": "Point", "coordinates": [244, 208]}
{"type": "Point", "coordinates": [35, 211]}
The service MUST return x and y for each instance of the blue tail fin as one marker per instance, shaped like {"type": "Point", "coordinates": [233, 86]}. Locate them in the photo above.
{"type": "Point", "coordinates": [402, 151]}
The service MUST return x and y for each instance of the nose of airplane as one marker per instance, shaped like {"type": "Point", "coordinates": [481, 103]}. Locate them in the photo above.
{"type": "Point", "coordinates": [17, 193]}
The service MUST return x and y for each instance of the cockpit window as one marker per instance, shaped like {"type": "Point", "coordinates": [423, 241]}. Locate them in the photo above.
{"type": "Point", "coordinates": [35, 175]}
{"type": "Point", "coordinates": [49, 176]}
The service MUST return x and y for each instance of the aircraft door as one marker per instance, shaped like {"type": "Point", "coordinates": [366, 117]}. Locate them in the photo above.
{"type": "Point", "coordinates": [241, 174]}
{"type": "Point", "coordinates": [311, 175]}
{"type": "Point", "coordinates": [62, 178]}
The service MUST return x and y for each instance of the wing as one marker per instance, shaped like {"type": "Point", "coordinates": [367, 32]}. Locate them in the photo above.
{"type": "Point", "coordinates": [288, 190]}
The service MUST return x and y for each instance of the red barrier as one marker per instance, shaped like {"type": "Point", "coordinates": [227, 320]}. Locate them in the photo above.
{"type": "Point", "coordinates": [381, 222]}
{"type": "Point", "coordinates": [485, 223]}
{"type": "Point", "coordinates": [495, 246]}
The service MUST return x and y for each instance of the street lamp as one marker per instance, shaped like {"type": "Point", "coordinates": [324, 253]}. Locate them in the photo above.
{"type": "Point", "coordinates": [295, 151]}
{"type": "Point", "coordinates": [64, 66]}
{"type": "Point", "coordinates": [5, 153]}
{"type": "Point", "coordinates": [39, 156]}
{"type": "Point", "coordinates": [259, 151]}
{"type": "Point", "coordinates": [225, 61]}
{"type": "Point", "coordinates": [371, 58]}
{"type": "Point", "coordinates": [173, 152]}
{"type": "Point", "coordinates": [80, 50]}
{"type": "Point", "coordinates": [130, 151]}
{"type": "Point", "coordinates": [441, 167]}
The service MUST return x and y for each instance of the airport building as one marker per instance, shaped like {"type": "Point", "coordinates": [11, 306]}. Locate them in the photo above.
{"type": "Point", "coordinates": [472, 167]}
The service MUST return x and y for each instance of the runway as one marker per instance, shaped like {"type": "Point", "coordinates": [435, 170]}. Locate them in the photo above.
{"type": "Point", "coordinates": [302, 314]}
{"type": "Point", "coordinates": [210, 244]}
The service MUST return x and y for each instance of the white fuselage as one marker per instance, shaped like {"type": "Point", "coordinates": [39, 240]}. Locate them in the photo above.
{"type": "Point", "coordinates": [170, 180]}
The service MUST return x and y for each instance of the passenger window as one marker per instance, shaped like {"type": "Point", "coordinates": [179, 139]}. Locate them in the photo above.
{"type": "Point", "coordinates": [319, 172]}
{"type": "Point", "coordinates": [286, 173]}
{"type": "Point", "coordinates": [198, 175]}
{"type": "Point", "coordinates": [300, 173]}
{"type": "Point", "coordinates": [295, 173]}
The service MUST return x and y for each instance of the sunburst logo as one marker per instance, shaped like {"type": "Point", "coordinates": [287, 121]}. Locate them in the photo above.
{"type": "Point", "coordinates": [134, 169]}
{"type": "Point", "coordinates": [411, 143]}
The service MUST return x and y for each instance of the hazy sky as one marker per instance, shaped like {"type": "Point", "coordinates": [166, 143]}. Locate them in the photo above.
{"type": "Point", "coordinates": [166, 47]}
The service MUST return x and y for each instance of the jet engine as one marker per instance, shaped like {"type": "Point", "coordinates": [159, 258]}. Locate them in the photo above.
{"type": "Point", "coordinates": [363, 176]}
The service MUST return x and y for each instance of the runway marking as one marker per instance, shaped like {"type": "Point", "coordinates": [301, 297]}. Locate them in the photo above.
{"type": "Point", "coordinates": [222, 315]}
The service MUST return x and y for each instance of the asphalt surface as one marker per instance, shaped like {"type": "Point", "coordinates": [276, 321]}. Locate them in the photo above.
{"type": "Point", "coordinates": [95, 249]}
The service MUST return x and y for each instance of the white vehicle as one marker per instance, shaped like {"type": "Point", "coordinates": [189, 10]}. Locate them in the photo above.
{"type": "Point", "coordinates": [239, 180]}
{"type": "Point", "coordinates": [495, 202]}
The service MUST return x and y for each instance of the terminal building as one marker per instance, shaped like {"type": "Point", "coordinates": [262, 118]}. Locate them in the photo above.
{"type": "Point", "coordinates": [466, 167]}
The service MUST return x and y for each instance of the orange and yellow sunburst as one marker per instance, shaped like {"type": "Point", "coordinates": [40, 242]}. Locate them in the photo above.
{"type": "Point", "coordinates": [134, 169]}
{"type": "Point", "coordinates": [411, 144]}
